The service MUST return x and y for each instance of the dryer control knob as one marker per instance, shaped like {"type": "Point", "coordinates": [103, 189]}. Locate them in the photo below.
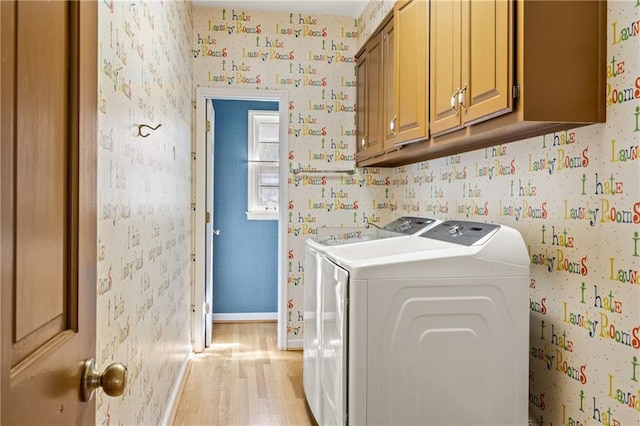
{"type": "Point", "coordinates": [455, 229]}
{"type": "Point", "coordinates": [404, 225]}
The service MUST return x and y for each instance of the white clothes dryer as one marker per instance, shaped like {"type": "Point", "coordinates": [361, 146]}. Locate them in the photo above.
{"type": "Point", "coordinates": [315, 248]}
{"type": "Point", "coordinates": [428, 330]}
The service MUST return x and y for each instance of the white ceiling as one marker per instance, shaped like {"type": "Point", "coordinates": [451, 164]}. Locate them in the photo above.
{"type": "Point", "coordinates": [351, 8]}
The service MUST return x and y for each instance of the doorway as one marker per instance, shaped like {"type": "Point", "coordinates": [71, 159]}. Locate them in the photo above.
{"type": "Point", "coordinates": [202, 288]}
{"type": "Point", "coordinates": [245, 217]}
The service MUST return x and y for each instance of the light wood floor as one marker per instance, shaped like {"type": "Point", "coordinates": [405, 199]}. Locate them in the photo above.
{"type": "Point", "coordinates": [243, 379]}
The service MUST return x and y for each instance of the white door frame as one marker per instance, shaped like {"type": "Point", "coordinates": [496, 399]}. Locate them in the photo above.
{"type": "Point", "coordinates": [203, 94]}
{"type": "Point", "coordinates": [209, 232]}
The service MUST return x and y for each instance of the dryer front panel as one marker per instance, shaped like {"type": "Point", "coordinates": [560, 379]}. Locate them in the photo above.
{"type": "Point", "coordinates": [333, 370]}
{"type": "Point", "coordinates": [311, 340]}
{"type": "Point", "coordinates": [447, 352]}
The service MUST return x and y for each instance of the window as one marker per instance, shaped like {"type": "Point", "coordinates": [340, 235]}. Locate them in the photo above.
{"type": "Point", "coordinates": [264, 167]}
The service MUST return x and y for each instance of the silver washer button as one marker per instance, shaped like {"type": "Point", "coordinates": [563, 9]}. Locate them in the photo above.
{"type": "Point", "coordinates": [455, 229]}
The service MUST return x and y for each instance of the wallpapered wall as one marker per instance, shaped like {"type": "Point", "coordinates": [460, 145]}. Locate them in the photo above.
{"type": "Point", "coordinates": [312, 58]}
{"type": "Point", "coordinates": [144, 223]}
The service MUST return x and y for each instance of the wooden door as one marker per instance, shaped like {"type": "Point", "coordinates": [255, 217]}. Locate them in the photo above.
{"type": "Point", "coordinates": [48, 209]}
{"type": "Point", "coordinates": [445, 51]}
{"type": "Point", "coordinates": [411, 66]}
{"type": "Point", "coordinates": [388, 93]}
{"type": "Point", "coordinates": [487, 59]}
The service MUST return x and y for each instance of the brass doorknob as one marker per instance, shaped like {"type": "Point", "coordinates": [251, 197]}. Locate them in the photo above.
{"type": "Point", "coordinates": [113, 380]}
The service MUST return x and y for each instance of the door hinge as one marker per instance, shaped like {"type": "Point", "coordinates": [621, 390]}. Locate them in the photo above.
{"type": "Point", "coordinates": [515, 91]}
{"type": "Point", "coordinates": [208, 126]}
{"type": "Point", "coordinates": [207, 217]}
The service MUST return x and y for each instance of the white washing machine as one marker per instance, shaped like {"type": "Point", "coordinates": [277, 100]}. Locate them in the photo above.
{"type": "Point", "coordinates": [428, 330]}
{"type": "Point", "coordinates": [315, 248]}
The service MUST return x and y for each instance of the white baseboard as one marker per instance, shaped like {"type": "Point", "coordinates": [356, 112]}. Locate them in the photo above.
{"type": "Point", "coordinates": [252, 316]}
{"type": "Point", "coordinates": [167, 419]}
{"type": "Point", "coordinates": [294, 344]}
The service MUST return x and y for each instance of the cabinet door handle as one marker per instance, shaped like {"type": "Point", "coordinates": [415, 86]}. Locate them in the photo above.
{"type": "Point", "coordinates": [461, 97]}
{"type": "Point", "coordinates": [392, 125]}
{"type": "Point", "coordinates": [454, 100]}
{"type": "Point", "coordinates": [363, 142]}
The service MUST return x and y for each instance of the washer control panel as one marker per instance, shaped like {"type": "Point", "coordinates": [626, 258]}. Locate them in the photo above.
{"type": "Point", "coordinates": [408, 224]}
{"type": "Point", "coordinates": [461, 232]}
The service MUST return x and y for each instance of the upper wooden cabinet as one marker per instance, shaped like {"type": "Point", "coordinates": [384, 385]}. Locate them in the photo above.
{"type": "Point", "coordinates": [410, 119]}
{"type": "Point", "coordinates": [361, 105]}
{"type": "Point", "coordinates": [502, 71]}
{"type": "Point", "coordinates": [369, 102]}
{"type": "Point", "coordinates": [393, 81]}
{"type": "Point", "coordinates": [389, 99]}
{"type": "Point", "coordinates": [471, 53]}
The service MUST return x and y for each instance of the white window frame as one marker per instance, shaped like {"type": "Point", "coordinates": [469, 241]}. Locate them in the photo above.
{"type": "Point", "coordinates": [256, 211]}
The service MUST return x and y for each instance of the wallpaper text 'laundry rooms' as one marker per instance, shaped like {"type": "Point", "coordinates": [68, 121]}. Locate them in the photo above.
{"type": "Point", "coordinates": [144, 216]}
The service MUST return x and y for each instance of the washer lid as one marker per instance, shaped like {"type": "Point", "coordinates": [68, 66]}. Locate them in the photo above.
{"type": "Point", "coordinates": [335, 236]}
{"type": "Point", "coordinates": [339, 236]}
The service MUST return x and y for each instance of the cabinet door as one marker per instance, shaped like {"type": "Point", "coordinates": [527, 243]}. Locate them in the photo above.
{"type": "Point", "coordinates": [411, 70]}
{"type": "Point", "coordinates": [389, 103]}
{"type": "Point", "coordinates": [361, 103]}
{"type": "Point", "coordinates": [372, 143]}
{"type": "Point", "coordinates": [445, 65]}
{"type": "Point", "coordinates": [486, 59]}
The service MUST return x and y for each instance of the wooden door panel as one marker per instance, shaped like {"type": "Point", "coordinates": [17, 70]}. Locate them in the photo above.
{"type": "Point", "coordinates": [374, 98]}
{"type": "Point", "coordinates": [371, 144]}
{"type": "Point", "coordinates": [40, 231]}
{"type": "Point", "coordinates": [445, 64]}
{"type": "Point", "coordinates": [411, 64]}
{"type": "Point", "coordinates": [48, 209]}
{"type": "Point", "coordinates": [361, 96]}
{"type": "Point", "coordinates": [480, 45]}
{"type": "Point", "coordinates": [487, 59]}
{"type": "Point", "coordinates": [389, 114]}
{"type": "Point", "coordinates": [41, 168]}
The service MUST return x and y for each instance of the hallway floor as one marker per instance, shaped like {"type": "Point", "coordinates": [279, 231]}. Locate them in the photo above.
{"type": "Point", "coordinates": [243, 379]}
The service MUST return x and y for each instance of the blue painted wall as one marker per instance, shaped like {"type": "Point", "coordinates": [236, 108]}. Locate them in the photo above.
{"type": "Point", "coordinates": [245, 254]}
